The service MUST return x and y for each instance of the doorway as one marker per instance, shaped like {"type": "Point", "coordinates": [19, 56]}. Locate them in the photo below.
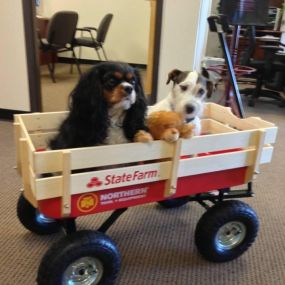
{"type": "Point", "coordinates": [34, 68]}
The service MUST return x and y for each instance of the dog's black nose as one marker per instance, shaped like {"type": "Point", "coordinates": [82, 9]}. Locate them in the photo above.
{"type": "Point", "coordinates": [128, 89]}
{"type": "Point", "coordinates": [189, 108]}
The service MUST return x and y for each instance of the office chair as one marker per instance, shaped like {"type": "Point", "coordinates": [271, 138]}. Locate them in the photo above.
{"type": "Point", "coordinates": [96, 36]}
{"type": "Point", "coordinates": [264, 70]}
{"type": "Point", "coordinates": [60, 34]}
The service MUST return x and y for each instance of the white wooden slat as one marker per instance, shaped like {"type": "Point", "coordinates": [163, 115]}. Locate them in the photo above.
{"type": "Point", "coordinates": [224, 115]}
{"type": "Point", "coordinates": [32, 179]}
{"type": "Point", "coordinates": [17, 136]}
{"type": "Point", "coordinates": [172, 181]}
{"type": "Point", "coordinates": [218, 162]}
{"type": "Point", "coordinates": [117, 154]}
{"type": "Point", "coordinates": [47, 161]}
{"type": "Point", "coordinates": [216, 142]}
{"type": "Point", "coordinates": [51, 161]}
{"type": "Point", "coordinates": [66, 183]}
{"type": "Point", "coordinates": [112, 178]}
{"type": "Point", "coordinates": [210, 126]}
{"type": "Point", "coordinates": [43, 121]}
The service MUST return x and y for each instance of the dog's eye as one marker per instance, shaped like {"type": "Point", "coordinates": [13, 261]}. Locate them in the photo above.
{"type": "Point", "coordinates": [133, 81]}
{"type": "Point", "coordinates": [201, 92]}
{"type": "Point", "coordinates": [183, 87]}
{"type": "Point", "coordinates": [111, 82]}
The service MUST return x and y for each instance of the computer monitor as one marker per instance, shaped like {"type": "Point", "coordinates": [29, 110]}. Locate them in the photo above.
{"type": "Point", "coordinates": [245, 12]}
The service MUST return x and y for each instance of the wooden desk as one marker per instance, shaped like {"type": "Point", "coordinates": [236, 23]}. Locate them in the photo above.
{"type": "Point", "coordinates": [260, 40]}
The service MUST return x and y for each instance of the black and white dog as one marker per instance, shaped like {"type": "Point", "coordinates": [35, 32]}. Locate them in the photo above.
{"type": "Point", "coordinates": [187, 96]}
{"type": "Point", "coordinates": [107, 106]}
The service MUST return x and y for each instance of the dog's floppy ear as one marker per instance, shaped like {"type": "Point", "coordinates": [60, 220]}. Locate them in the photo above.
{"type": "Point", "coordinates": [135, 116]}
{"type": "Point", "coordinates": [172, 75]}
{"type": "Point", "coordinates": [209, 83]}
{"type": "Point", "coordinates": [210, 88]}
{"type": "Point", "coordinates": [205, 73]}
{"type": "Point", "coordinates": [89, 107]}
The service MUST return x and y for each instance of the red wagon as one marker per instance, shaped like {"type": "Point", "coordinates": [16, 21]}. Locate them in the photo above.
{"type": "Point", "coordinates": [95, 179]}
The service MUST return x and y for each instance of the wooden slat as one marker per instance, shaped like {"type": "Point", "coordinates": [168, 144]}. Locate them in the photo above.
{"type": "Point", "coordinates": [48, 161]}
{"type": "Point", "coordinates": [52, 187]}
{"type": "Point", "coordinates": [17, 136]}
{"type": "Point", "coordinates": [43, 121]}
{"type": "Point", "coordinates": [260, 141]}
{"type": "Point", "coordinates": [210, 126]}
{"type": "Point", "coordinates": [28, 193]}
{"type": "Point", "coordinates": [51, 161]}
{"type": "Point", "coordinates": [218, 142]}
{"type": "Point", "coordinates": [41, 140]}
{"type": "Point", "coordinates": [66, 183]}
{"type": "Point", "coordinates": [212, 163]}
{"type": "Point", "coordinates": [172, 181]}
{"type": "Point", "coordinates": [225, 116]}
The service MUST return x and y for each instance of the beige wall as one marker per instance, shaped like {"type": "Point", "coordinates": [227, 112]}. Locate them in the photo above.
{"type": "Point", "coordinates": [183, 38]}
{"type": "Point", "coordinates": [127, 39]}
{"type": "Point", "coordinates": [14, 91]}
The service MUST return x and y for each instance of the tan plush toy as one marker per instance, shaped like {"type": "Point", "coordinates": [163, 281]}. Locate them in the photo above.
{"type": "Point", "coordinates": [168, 126]}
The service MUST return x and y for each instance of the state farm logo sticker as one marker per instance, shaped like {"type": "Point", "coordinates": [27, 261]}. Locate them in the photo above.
{"type": "Point", "coordinates": [113, 179]}
{"type": "Point", "coordinates": [94, 182]}
{"type": "Point", "coordinates": [87, 202]}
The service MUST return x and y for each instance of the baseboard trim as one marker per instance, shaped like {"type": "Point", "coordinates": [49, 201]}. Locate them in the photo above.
{"type": "Point", "coordinates": [93, 61]}
{"type": "Point", "coordinates": [8, 114]}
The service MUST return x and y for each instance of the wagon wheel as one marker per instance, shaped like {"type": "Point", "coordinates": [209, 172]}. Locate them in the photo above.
{"type": "Point", "coordinates": [33, 220]}
{"type": "Point", "coordinates": [81, 258]}
{"type": "Point", "coordinates": [174, 202]}
{"type": "Point", "coordinates": [226, 231]}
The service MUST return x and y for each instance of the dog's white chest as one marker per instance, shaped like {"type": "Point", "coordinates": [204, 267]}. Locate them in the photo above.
{"type": "Point", "coordinates": [115, 131]}
{"type": "Point", "coordinates": [116, 136]}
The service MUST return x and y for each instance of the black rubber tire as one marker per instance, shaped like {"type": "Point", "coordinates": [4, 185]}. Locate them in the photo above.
{"type": "Point", "coordinates": [75, 246]}
{"type": "Point", "coordinates": [230, 211]}
{"type": "Point", "coordinates": [174, 203]}
{"type": "Point", "coordinates": [31, 219]}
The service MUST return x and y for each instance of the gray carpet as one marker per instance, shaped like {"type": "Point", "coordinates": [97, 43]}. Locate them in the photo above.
{"type": "Point", "coordinates": [157, 245]}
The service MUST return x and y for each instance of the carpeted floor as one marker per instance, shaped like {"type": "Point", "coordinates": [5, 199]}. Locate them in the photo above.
{"type": "Point", "coordinates": [157, 245]}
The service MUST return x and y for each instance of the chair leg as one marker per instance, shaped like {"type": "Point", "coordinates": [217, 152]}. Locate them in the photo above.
{"type": "Point", "coordinates": [76, 61]}
{"type": "Point", "coordinates": [51, 68]}
{"type": "Point", "coordinates": [98, 54]}
{"type": "Point", "coordinates": [104, 53]}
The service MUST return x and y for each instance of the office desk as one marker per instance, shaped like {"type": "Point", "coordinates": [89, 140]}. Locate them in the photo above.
{"type": "Point", "coordinates": [261, 39]}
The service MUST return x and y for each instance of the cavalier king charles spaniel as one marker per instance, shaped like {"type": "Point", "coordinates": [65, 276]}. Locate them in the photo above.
{"type": "Point", "coordinates": [107, 106]}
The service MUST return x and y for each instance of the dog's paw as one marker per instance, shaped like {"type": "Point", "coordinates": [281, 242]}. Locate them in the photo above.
{"type": "Point", "coordinates": [187, 131]}
{"type": "Point", "coordinates": [143, 136]}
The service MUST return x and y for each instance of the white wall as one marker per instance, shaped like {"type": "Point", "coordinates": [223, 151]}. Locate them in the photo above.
{"type": "Point", "coordinates": [183, 38]}
{"type": "Point", "coordinates": [127, 39]}
{"type": "Point", "coordinates": [14, 90]}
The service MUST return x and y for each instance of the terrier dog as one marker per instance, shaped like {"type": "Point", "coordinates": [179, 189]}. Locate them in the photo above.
{"type": "Point", "coordinates": [187, 96]}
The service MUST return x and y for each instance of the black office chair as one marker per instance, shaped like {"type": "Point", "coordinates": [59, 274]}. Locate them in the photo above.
{"type": "Point", "coordinates": [60, 34]}
{"type": "Point", "coordinates": [265, 69]}
{"type": "Point", "coordinates": [96, 36]}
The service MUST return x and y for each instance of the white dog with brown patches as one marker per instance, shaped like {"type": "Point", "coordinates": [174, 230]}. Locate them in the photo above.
{"type": "Point", "coordinates": [187, 96]}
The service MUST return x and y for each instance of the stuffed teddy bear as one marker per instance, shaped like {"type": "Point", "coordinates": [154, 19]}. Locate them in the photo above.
{"type": "Point", "coordinates": [168, 126]}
